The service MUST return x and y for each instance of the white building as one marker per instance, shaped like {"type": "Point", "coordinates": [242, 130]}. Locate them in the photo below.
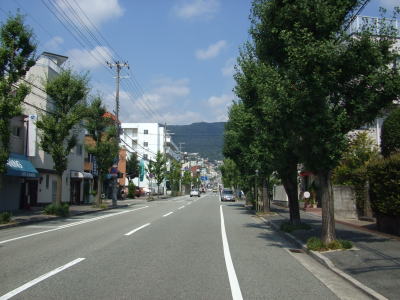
{"type": "Point", "coordinates": [40, 186]}
{"type": "Point", "coordinates": [375, 25]}
{"type": "Point", "coordinates": [146, 139]}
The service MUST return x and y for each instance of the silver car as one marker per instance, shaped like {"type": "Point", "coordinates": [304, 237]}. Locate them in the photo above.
{"type": "Point", "coordinates": [227, 195]}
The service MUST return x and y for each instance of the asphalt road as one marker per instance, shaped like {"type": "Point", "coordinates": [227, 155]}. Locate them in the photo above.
{"type": "Point", "coordinates": [182, 248]}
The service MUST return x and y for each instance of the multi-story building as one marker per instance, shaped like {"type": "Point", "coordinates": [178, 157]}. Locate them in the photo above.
{"type": "Point", "coordinates": [31, 179]}
{"type": "Point", "coordinates": [377, 27]}
{"type": "Point", "coordinates": [146, 139]}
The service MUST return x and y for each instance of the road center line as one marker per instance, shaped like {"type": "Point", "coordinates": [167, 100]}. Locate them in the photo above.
{"type": "Point", "coordinates": [170, 213]}
{"type": "Point", "coordinates": [233, 281]}
{"type": "Point", "coordinates": [181, 207]}
{"type": "Point", "coordinates": [39, 279]}
{"type": "Point", "coordinates": [137, 229]}
{"type": "Point", "coordinates": [71, 225]}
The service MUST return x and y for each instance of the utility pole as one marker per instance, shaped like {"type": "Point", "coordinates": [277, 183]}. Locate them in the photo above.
{"type": "Point", "coordinates": [118, 66]}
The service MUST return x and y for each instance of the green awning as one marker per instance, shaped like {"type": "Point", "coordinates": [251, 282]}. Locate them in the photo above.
{"type": "Point", "coordinates": [18, 165]}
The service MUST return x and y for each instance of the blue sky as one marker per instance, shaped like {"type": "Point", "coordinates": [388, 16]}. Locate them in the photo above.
{"type": "Point", "coordinates": [181, 52]}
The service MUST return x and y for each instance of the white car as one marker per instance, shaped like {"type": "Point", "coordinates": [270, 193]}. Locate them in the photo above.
{"type": "Point", "coordinates": [194, 193]}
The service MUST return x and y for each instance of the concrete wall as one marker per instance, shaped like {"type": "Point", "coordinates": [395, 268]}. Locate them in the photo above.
{"type": "Point", "coordinates": [344, 202]}
{"type": "Point", "coordinates": [279, 196]}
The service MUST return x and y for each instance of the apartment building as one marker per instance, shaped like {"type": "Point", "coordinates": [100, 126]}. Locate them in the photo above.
{"type": "Point", "coordinates": [30, 178]}
{"type": "Point", "coordinates": [146, 139]}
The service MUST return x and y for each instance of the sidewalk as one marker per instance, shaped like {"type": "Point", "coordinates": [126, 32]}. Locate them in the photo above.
{"type": "Point", "coordinates": [35, 214]}
{"type": "Point", "coordinates": [374, 262]}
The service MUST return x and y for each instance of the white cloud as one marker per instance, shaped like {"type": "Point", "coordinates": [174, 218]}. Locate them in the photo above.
{"type": "Point", "coordinates": [54, 43]}
{"type": "Point", "coordinates": [166, 100]}
{"type": "Point", "coordinates": [82, 59]}
{"type": "Point", "coordinates": [212, 51]}
{"type": "Point", "coordinates": [98, 11]}
{"type": "Point", "coordinates": [186, 9]}
{"type": "Point", "coordinates": [229, 68]}
{"type": "Point", "coordinates": [218, 101]}
{"type": "Point", "coordinates": [220, 106]}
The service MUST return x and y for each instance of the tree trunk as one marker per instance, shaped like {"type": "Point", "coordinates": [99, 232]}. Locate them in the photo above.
{"type": "Point", "coordinates": [59, 189]}
{"type": "Point", "coordinates": [158, 191]}
{"type": "Point", "coordinates": [325, 191]}
{"type": "Point", "coordinates": [99, 189]}
{"type": "Point", "coordinates": [289, 180]}
{"type": "Point", "coordinates": [265, 197]}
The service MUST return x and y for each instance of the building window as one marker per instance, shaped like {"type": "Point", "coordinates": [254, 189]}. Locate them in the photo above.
{"type": "Point", "coordinates": [145, 156]}
{"type": "Point", "coordinates": [146, 131]}
{"type": "Point", "coordinates": [146, 144]}
{"type": "Point", "coordinates": [16, 131]}
{"type": "Point", "coordinates": [47, 181]}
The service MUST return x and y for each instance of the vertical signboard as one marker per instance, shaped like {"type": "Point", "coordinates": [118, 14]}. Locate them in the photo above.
{"type": "Point", "coordinates": [32, 135]}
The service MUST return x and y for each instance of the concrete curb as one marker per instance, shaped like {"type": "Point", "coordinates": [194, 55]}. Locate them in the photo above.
{"type": "Point", "coordinates": [30, 222]}
{"type": "Point", "coordinates": [328, 263]}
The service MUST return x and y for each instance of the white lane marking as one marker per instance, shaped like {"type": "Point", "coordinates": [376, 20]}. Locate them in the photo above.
{"type": "Point", "coordinates": [71, 225]}
{"type": "Point", "coordinates": [170, 213]}
{"type": "Point", "coordinates": [181, 207]}
{"type": "Point", "coordinates": [39, 279]}
{"type": "Point", "coordinates": [137, 229]}
{"type": "Point", "coordinates": [233, 281]}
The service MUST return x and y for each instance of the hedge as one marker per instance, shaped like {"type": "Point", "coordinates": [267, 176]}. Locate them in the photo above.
{"type": "Point", "coordinates": [384, 182]}
{"type": "Point", "coordinates": [390, 136]}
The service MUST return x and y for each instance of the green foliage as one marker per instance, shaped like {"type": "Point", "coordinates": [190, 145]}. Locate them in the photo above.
{"type": "Point", "coordinates": [131, 190]}
{"type": "Point", "coordinates": [59, 129]}
{"type": "Point", "coordinates": [17, 56]}
{"type": "Point", "coordinates": [187, 178]}
{"type": "Point", "coordinates": [61, 210]}
{"type": "Point", "coordinates": [352, 167]}
{"type": "Point", "coordinates": [230, 173]}
{"type": "Point", "coordinates": [390, 135]}
{"type": "Point", "coordinates": [5, 217]}
{"type": "Point", "coordinates": [288, 227]}
{"type": "Point", "coordinates": [316, 244]}
{"type": "Point", "coordinates": [132, 167]}
{"type": "Point", "coordinates": [104, 133]}
{"type": "Point", "coordinates": [158, 168]}
{"type": "Point", "coordinates": [384, 180]}
{"type": "Point", "coordinates": [174, 175]}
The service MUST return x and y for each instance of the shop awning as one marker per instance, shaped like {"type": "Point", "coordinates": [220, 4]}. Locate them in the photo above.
{"type": "Point", "coordinates": [18, 165]}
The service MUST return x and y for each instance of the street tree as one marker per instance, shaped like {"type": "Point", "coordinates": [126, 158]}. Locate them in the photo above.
{"type": "Point", "coordinates": [104, 144]}
{"type": "Point", "coordinates": [158, 169]}
{"type": "Point", "coordinates": [174, 176]}
{"type": "Point", "coordinates": [230, 173]}
{"type": "Point", "coordinates": [265, 95]}
{"type": "Point", "coordinates": [132, 167]}
{"type": "Point", "coordinates": [17, 56]}
{"type": "Point", "coordinates": [337, 82]}
{"type": "Point", "coordinates": [390, 135]}
{"type": "Point", "coordinates": [60, 127]}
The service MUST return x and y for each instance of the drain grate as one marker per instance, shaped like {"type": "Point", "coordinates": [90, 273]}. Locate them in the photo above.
{"type": "Point", "coordinates": [296, 250]}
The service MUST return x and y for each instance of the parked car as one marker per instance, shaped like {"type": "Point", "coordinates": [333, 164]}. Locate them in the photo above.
{"type": "Point", "coordinates": [139, 191]}
{"type": "Point", "coordinates": [194, 192]}
{"type": "Point", "coordinates": [227, 195]}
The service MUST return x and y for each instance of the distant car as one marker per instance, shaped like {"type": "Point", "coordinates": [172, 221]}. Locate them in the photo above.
{"type": "Point", "coordinates": [227, 195]}
{"type": "Point", "coordinates": [194, 193]}
{"type": "Point", "coordinates": [215, 190]}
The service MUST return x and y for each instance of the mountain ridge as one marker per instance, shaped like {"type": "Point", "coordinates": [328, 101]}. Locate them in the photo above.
{"type": "Point", "coordinates": [206, 138]}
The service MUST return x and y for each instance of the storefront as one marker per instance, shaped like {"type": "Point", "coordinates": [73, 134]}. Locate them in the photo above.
{"type": "Point", "coordinates": [80, 187]}
{"type": "Point", "coordinates": [20, 185]}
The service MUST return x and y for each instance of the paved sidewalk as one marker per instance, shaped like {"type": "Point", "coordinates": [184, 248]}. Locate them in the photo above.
{"type": "Point", "coordinates": [375, 261]}
{"type": "Point", "coordinates": [25, 217]}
